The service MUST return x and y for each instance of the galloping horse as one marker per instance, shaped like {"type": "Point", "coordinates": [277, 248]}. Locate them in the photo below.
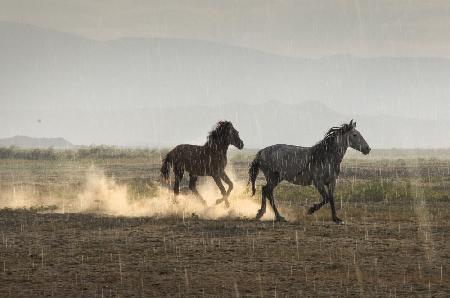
{"type": "Point", "coordinates": [207, 160]}
{"type": "Point", "coordinates": [318, 165]}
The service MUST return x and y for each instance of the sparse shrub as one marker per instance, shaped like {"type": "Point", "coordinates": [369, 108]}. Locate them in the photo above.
{"type": "Point", "coordinates": [374, 191]}
{"type": "Point", "coordinates": [91, 152]}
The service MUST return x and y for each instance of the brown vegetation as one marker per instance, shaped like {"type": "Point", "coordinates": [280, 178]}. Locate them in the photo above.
{"type": "Point", "coordinates": [395, 240]}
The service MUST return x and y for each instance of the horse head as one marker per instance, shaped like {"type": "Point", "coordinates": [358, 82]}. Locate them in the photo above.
{"type": "Point", "coordinates": [225, 134]}
{"type": "Point", "coordinates": [355, 139]}
{"type": "Point", "coordinates": [234, 138]}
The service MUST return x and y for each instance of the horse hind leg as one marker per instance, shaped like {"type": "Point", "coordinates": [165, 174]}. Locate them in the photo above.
{"type": "Point", "coordinates": [278, 216]}
{"type": "Point", "coordinates": [176, 186]}
{"type": "Point", "coordinates": [266, 192]}
{"type": "Point", "coordinates": [193, 188]}
{"type": "Point", "coordinates": [262, 210]}
{"type": "Point", "coordinates": [272, 183]}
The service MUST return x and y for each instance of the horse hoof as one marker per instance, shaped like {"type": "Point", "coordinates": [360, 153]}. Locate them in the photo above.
{"type": "Point", "coordinates": [280, 219]}
{"type": "Point", "coordinates": [338, 221]}
{"type": "Point", "coordinates": [219, 201]}
{"type": "Point", "coordinates": [259, 215]}
{"type": "Point", "coordinates": [311, 210]}
{"type": "Point", "coordinates": [227, 204]}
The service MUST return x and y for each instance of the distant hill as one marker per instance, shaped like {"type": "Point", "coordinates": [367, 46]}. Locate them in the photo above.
{"type": "Point", "coordinates": [45, 69]}
{"type": "Point", "coordinates": [162, 92]}
{"type": "Point", "coordinates": [259, 125]}
{"type": "Point", "coordinates": [29, 142]}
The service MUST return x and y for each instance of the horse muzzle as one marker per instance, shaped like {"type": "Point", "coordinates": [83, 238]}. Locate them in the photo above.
{"type": "Point", "coordinates": [366, 150]}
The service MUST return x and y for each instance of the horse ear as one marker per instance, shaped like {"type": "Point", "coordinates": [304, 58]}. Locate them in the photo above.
{"type": "Point", "coordinates": [352, 124]}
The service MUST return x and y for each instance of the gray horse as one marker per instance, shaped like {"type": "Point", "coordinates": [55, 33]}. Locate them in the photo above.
{"type": "Point", "coordinates": [318, 165]}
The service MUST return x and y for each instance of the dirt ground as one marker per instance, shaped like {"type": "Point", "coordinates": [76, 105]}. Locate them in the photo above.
{"type": "Point", "coordinates": [395, 241]}
{"type": "Point", "coordinates": [61, 255]}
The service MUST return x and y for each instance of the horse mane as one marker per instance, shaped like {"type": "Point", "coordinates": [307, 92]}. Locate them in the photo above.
{"type": "Point", "coordinates": [221, 129]}
{"type": "Point", "coordinates": [328, 141]}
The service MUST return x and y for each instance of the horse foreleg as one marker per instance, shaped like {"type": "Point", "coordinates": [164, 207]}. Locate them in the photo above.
{"type": "Point", "coordinates": [331, 199]}
{"type": "Point", "coordinates": [230, 188]}
{"type": "Point", "coordinates": [228, 182]}
{"type": "Point", "coordinates": [327, 196]}
{"type": "Point", "coordinates": [323, 194]}
{"type": "Point", "coordinates": [333, 211]}
{"type": "Point", "coordinates": [221, 188]}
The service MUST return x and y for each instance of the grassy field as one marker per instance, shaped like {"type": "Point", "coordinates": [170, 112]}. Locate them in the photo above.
{"type": "Point", "coordinates": [395, 241]}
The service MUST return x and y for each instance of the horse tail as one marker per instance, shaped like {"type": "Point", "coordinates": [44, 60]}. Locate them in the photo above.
{"type": "Point", "coordinates": [253, 173]}
{"type": "Point", "coordinates": [165, 168]}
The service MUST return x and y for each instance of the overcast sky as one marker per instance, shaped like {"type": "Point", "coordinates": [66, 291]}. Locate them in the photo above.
{"type": "Point", "coordinates": [59, 85]}
{"type": "Point", "coordinates": [296, 28]}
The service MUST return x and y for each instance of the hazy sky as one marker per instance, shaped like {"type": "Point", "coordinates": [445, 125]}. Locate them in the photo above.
{"type": "Point", "coordinates": [61, 85]}
{"type": "Point", "coordinates": [296, 28]}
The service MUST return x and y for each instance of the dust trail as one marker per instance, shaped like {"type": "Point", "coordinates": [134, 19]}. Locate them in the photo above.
{"type": "Point", "coordinates": [25, 198]}
{"type": "Point", "coordinates": [102, 195]}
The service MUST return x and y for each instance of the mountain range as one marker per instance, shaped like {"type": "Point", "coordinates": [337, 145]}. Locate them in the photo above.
{"type": "Point", "coordinates": [259, 125]}
{"type": "Point", "coordinates": [160, 92]}
{"type": "Point", "coordinates": [41, 68]}
{"type": "Point", "coordinates": [30, 142]}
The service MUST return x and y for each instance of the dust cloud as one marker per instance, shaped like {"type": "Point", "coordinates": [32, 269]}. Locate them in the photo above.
{"type": "Point", "coordinates": [104, 196]}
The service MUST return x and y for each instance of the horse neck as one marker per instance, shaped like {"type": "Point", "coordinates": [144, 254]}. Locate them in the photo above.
{"type": "Point", "coordinates": [336, 150]}
{"type": "Point", "coordinates": [339, 149]}
{"type": "Point", "coordinates": [217, 147]}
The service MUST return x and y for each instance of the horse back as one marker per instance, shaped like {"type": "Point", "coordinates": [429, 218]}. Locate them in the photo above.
{"type": "Point", "coordinates": [287, 160]}
{"type": "Point", "coordinates": [197, 160]}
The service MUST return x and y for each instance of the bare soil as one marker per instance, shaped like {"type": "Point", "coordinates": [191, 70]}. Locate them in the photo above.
{"type": "Point", "coordinates": [66, 255]}
{"type": "Point", "coordinates": [394, 244]}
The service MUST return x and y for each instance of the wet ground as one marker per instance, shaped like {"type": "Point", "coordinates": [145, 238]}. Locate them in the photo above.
{"type": "Point", "coordinates": [396, 240]}
{"type": "Point", "coordinates": [393, 251]}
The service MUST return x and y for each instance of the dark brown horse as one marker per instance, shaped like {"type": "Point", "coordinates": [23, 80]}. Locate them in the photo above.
{"type": "Point", "coordinates": [207, 160]}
